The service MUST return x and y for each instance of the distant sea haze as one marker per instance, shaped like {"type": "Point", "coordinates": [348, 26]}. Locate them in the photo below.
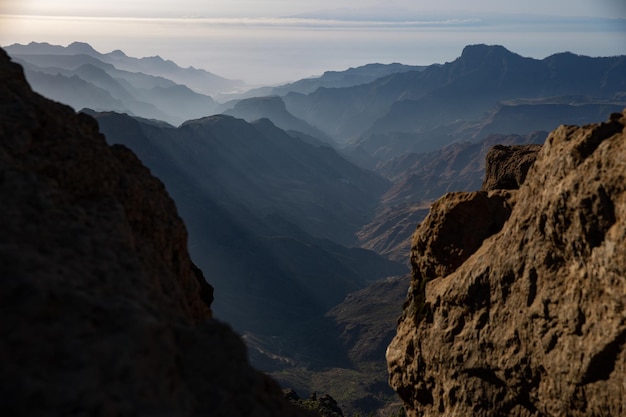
{"type": "Point", "coordinates": [271, 51]}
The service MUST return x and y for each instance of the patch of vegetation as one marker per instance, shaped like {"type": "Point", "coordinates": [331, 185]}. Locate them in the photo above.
{"type": "Point", "coordinates": [354, 391]}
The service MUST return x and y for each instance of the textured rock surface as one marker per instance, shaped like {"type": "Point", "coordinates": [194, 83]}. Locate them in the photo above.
{"type": "Point", "coordinates": [102, 310]}
{"type": "Point", "coordinates": [533, 322]}
{"type": "Point", "coordinates": [506, 166]}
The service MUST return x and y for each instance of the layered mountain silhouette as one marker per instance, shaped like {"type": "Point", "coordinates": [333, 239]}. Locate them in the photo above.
{"type": "Point", "coordinates": [335, 79]}
{"type": "Point", "coordinates": [420, 111]}
{"type": "Point", "coordinates": [376, 112]}
{"type": "Point", "coordinates": [274, 109]}
{"type": "Point", "coordinates": [147, 87]}
{"type": "Point", "coordinates": [199, 80]}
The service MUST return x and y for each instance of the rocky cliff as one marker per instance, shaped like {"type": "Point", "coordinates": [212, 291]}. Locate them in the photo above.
{"type": "Point", "coordinates": [102, 310]}
{"type": "Point", "coordinates": [516, 305]}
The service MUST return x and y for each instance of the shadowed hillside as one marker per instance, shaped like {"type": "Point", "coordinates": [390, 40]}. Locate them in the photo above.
{"type": "Point", "coordinates": [103, 311]}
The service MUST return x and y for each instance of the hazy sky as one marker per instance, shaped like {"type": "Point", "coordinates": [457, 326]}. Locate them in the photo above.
{"type": "Point", "coordinates": [270, 41]}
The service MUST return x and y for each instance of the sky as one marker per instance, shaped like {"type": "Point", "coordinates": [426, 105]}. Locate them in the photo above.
{"type": "Point", "coordinates": [274, 41]}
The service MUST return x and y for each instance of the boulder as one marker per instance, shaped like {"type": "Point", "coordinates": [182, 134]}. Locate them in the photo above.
{"type": "Point", "coordinates": [506, 166]}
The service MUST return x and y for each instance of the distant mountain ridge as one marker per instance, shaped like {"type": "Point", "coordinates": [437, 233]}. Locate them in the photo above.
{"type": "Point", "coordinates": [199, 80]}
{"type": "Point", "coordinates": [374, 112]}
{"type": "Point", "coordinates": [418, 111]}
{"type": "Point", "coordinates": [151, 87]}
{"type": "Point", "coordinates": [102, 87]}
{"type": "Point", "coordinates": [336, 79]}
{"type": "Point", "coordinates": [84, 81]}
{"type": "Point", "coordinates": [484, 75]}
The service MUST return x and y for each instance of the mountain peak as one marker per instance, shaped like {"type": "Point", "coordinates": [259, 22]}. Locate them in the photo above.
{"type": "Point", "coordinates": [118, 54]}
{"type": "Point", "coordinates": [82, 48]}
{"type": "Point", "coordinates": [482, 50]}
{"type": "Point", "coordinates": [474, 56]}
{"type": "Point", "coordinates": [34, 44]}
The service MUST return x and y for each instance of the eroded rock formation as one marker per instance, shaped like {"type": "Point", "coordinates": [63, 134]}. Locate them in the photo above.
{"type": "Point", "coordinates": [531, 321]}
{"type": "Point", "coordinates": [506, 167]}
{"type": "Point", "coordinates": [102, 310]}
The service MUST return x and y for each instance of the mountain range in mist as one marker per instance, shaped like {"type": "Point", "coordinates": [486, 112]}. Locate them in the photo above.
{"type": "Point", "coordinates": [298, 197]}
{"type": "Point", "coordinates": [374, 113]}
{"type": "Point", "coordinates": [418, 111]}
{"type": "Point", "coordinates": [148, 87]}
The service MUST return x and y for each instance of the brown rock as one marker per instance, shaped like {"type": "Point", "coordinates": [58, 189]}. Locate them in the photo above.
{"type": "Point", "coordinates": [506, 166]}
{"type": "Point", "coordinates": [533, 322]}
{"type": "Point", "coordinates": [102, 310]}
{"type": "Point", "coordinates": [454, 229]}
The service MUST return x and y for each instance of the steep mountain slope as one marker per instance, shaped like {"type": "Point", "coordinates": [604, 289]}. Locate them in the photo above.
{"type": "Point", "coordinates": [456, 167]}
{"type": "Point", "coordinates": [388, 233]}
{"type": "Point", "coordinates": [420, 179]}
{"type": "Point", "coordinates": [273, 108]}
{"type": "Point", "coordinates": [258, 203]}
{"type": "Point", "coordinates": [343, 113]}
{"type": "Point", "coordinates": [520, 311]}
{"type": "Point", "coordinates": [103, 311]}
{"type": "Point", "coordinates": [364, 324]}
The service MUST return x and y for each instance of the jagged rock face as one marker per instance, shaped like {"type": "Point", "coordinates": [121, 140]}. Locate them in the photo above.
{"type": "Point", "coordinates": [533, 322]}
{"type": "Point", "coordinates": [103, 312]}
{"type": "Point", "coordinates": [507, 166]}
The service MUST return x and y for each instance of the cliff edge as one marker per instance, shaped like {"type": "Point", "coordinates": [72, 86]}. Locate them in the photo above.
{"type": "Point", "coordinates": [102, 311]}
{"type": "Point", "coordinates": [517, 301]}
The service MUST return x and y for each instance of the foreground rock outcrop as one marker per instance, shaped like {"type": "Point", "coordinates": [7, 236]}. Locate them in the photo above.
{"type": "Point", "coordinates": [102, 310]}
{"type": "Point", "coordinates": [530, 321]}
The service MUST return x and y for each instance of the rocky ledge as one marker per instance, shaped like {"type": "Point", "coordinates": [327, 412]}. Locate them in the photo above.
{"type": "Point", "coordinates": [517, 301]}
{"type": "Point", "coordinates": [102, 311]}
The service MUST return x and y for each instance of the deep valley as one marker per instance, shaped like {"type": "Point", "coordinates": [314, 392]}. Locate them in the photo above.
{"type": "Point", "coordinates": [301, 202]}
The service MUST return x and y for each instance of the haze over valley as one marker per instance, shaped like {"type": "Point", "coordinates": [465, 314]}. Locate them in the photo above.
{"type": "Point", "coordinates": [302, 145]}
{"type": "Point", "coordinates": [299, 197]}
